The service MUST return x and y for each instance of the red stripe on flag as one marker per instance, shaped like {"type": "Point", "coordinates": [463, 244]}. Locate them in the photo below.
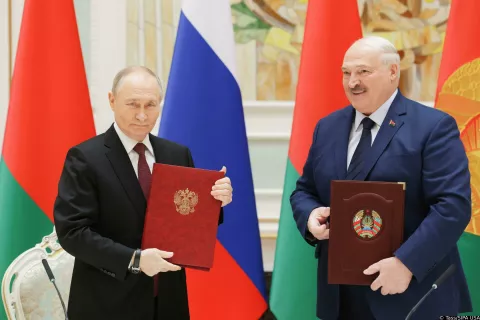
{"type": "Point", "coordinates": [331, 27]}
{"type": "Point", "coordinates": [225, 292]}
{"type": "Point", "coordinates": [49, 109]}
{"type": "Point", "coordinates": [459, 48]}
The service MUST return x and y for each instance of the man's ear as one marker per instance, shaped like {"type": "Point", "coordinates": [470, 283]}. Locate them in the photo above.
{"type": "Point", "coordinates": [394, 71]}
{"type": "Point", "coordinates": [111, 99]}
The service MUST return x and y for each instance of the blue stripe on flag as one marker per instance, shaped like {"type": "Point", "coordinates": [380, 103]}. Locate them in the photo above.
{"type": "Point", "coordinates": [203, 110]}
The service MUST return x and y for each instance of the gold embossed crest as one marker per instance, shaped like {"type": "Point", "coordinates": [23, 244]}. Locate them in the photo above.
{"type": "Point", "coordinates": [185, 201]}
{"type": "Point", "coordinates": [367, 223]}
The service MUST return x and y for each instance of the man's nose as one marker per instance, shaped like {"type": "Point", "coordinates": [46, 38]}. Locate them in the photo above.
{"type": "Point", "coordinates": [141, 116]}
{"type": "Point", "coordinates": [353, 82]}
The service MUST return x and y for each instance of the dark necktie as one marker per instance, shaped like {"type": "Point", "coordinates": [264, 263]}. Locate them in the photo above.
{"type": "Point", "coordinates": [144, 174]}
{"type": "Point", "coordinates": [362, 150]}
{"type": "Point", "coordinates": [145, 179]}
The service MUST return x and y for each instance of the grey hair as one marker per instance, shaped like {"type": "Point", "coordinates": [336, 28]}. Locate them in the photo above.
{"type": "Point", "coordinates": [389, 52]}
{"type": "Point", "coordinates": [131, 69]}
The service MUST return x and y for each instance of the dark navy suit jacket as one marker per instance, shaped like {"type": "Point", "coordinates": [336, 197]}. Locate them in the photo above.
{"type": "Point", "coordinates": [423, 149]}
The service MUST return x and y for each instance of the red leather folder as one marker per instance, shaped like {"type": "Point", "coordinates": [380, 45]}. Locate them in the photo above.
{"type": "Point", "coordinates": [366, 226]}
{"type": "Point", "coordinates": [182, 216]}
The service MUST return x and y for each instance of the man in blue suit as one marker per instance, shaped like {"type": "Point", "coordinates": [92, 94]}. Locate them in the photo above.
{"type": "Point", "coordinates": [383, 136]}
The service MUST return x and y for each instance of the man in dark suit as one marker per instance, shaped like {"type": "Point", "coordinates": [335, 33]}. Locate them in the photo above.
{"type": "Point", "coordinates": [100, 208]}
{"type": "Point", "coordinates": [383, 136]}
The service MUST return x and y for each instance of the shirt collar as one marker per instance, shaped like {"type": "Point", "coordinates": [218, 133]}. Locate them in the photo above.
{"type": "Point", "coordinates": [130, 143]}
{"type": "Point", "coordinates": [379, 115]}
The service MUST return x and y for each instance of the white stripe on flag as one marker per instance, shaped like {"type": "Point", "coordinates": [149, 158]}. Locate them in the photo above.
{"type": "Point", "coordinates": [218, 35]}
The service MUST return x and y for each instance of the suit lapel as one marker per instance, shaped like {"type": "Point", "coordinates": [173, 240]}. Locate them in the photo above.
{"type": "Point", "coordinates": [122, 166]}
{"type": "Point", "coordinates": [161, 156]}
{"type": "Point", "coordinates": [341, 143]}
{"type": "Point", "coordinates": [390, 126]}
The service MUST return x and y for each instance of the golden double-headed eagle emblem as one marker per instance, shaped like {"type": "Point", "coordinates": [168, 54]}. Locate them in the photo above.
{"type": "Point", "coordinates": [185, 201]}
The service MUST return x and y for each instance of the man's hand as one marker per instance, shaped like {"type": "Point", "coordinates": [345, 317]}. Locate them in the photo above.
{"type": "Point", "coordinates": [222, 190]}
{"type": "Point", "coordinates": [394, 276]}
{"type": "Point", "coordinates": [317, 223]}
{"type": "Point", "coordinates": [152, 262]}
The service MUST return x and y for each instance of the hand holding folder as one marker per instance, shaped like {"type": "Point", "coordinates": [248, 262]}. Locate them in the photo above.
{"type": "Point", "coordinates": [366, 226]}
{"type": "Point", "coordinates": [182, 214]}
{"type": "Point", "coordinates": [222, 190]}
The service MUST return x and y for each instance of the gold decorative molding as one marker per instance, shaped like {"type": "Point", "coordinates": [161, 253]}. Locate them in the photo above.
{"type": "Point", "coordinates": [268, 219]}
{"type": "Point", "coordinates": [268, 235]}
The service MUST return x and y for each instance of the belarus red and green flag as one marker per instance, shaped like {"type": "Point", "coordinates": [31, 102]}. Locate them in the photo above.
{"type": "Point", "coordinates": [331, 27]}
{"type": "Point", "coordinates": [458, 93]}
{"type": "Point", "coordinates": [49, 112]}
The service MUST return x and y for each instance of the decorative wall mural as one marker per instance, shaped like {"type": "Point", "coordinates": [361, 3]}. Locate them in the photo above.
{"type": "Point", "coordinates": [417, 29]}
{"type": "Point", "coordinates": [269, 37]}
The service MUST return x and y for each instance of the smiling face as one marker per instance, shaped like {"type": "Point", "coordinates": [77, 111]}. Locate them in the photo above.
{"type": "Point", "coordinates": [368, 80]}
{"type": "Point", "coordinates": [136, 104]}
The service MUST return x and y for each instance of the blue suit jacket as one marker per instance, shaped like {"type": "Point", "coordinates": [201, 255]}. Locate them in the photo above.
{"type": "Point", "coordinates": [424, 150]}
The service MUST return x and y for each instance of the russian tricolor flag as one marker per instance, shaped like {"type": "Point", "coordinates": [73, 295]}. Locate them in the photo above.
{"type": "Point", "coordinates": [203, 110]}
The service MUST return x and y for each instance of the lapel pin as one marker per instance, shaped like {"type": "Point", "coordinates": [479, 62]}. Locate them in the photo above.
{"type": "Point", "coordinates": [392, 123]}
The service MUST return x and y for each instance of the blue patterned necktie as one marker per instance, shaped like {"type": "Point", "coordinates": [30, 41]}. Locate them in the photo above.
{"type": "Point", "coordinates": [362, 150]}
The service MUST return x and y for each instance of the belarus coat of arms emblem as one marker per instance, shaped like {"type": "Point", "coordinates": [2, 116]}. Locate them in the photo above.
{"type": "Point", "coordinates": [367, 223]}
{"type": "Point", "coordinates": [185, 201]}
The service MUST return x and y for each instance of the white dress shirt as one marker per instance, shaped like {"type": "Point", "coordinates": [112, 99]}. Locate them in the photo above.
{"type": "Point", "coordinates": [357, 127]}
{"type": "Point", "coordinates": [130, 143]}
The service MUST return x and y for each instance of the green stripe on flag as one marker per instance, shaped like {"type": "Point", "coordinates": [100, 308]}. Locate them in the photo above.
{"type": "Point", "coordinates": [293, 292]}
{"type": "Point", "coordinates": [22, 223]}
{"type": "Point", "coordinates": [469, 247]}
